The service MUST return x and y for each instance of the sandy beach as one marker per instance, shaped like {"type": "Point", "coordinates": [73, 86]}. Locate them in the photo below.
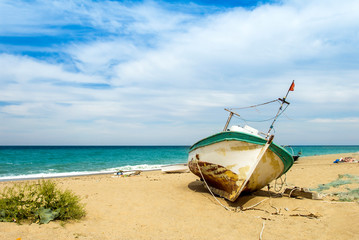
{"type": "Point", "coordinates": [155, 205]}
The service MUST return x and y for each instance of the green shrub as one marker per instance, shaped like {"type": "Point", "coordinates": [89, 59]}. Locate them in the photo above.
{"type": "Point", "coordinates": [39, 202]}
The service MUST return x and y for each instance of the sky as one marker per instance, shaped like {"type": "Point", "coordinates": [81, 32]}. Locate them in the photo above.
{"type": "Point", "coordinates": [161, 72]}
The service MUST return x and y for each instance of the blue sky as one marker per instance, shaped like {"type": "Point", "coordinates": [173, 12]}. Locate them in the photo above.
{"type": "Point", "coordinates": [161, 72]}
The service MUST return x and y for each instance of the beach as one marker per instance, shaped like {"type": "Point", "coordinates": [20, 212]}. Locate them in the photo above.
{"type": "Point", "coordinates": [155, 205]}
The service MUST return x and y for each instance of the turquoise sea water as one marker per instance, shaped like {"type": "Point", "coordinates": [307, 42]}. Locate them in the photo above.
{"type": "Point", "coordinates": [312, 150]}
{"type": "Point", "coordinates": [17, 162]}
{"type": "Point", "coordinates": [48, 161]}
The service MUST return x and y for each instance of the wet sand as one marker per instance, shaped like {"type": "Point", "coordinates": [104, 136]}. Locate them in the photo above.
{"type": "Point", "coordinates": [155, 205]}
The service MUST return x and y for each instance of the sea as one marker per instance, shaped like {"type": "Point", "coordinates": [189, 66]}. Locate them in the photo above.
{"type": "Point", "coordinates": [32, 162]}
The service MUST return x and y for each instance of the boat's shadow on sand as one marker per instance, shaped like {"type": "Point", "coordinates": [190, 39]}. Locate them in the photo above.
{"type": "Point", "coordinates": [199, 187]}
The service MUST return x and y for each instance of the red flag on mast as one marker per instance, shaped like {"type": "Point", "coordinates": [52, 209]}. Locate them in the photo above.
{"type": "Point", "coordinates": [292, 87]}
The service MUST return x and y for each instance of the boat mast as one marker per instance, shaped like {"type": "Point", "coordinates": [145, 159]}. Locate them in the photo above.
{"type": "Point", "coordinates": [283, 100]}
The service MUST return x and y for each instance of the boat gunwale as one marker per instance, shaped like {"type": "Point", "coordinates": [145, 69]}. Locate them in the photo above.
{"type": "Point", "coordinates": [282, 153]}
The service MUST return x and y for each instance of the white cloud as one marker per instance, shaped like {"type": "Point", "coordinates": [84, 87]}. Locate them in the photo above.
{"type": "Point", "coordinates": [153, 65]}
{"type": "Point", "coordinates": [340, 120]}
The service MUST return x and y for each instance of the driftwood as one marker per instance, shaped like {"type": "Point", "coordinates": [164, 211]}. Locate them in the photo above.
{"type": "Point", "coordinates": [301, 192]}
{"type": "Point", "coordinates": [127, 173]}
{"type": "Point", "coordinates": [310, 215]}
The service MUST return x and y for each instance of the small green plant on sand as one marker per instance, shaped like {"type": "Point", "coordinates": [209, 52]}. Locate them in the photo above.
{"type": "Point", "coordinates": [39, 202]}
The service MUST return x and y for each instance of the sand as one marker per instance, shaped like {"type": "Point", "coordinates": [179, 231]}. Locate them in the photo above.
{"type": "Point", "coordinates": [155, 205]}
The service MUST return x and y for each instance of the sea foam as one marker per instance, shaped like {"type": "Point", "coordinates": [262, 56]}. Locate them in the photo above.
{"type": "Point", "coordinates": [51, 174]}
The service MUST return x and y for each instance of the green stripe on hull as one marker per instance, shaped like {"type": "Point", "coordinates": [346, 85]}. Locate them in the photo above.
{"type": "Point", "coordinates": [283, 154]}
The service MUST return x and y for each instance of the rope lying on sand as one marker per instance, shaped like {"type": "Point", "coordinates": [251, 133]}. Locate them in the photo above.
{"type": "Point", "coordinates": [263, 225]}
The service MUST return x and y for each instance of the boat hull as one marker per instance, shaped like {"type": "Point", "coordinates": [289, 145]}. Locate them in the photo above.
{"type": "Point", "coordinates": [228, 162]}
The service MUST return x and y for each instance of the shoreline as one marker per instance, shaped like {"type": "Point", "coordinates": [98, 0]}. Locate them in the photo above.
{"type": "Point", "coordinates": [158, 168]}
{"type": "Point", "coordinates": [67, 175]}
{"type": "Point", "coordinates": [79, 174]}
{"type": "Point", "coordinates": [53, 177]}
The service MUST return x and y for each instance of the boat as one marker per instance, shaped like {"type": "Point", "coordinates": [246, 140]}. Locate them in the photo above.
{"type": "Point", "coordinates": [175, 168]}
{"type": "Point", "coordinates": [239, 159]}
{"type": "Point", "coordinates": [295, 156]}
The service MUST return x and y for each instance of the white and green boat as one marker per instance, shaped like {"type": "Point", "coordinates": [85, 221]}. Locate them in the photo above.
{"type": "Point", "coordinates": [239, 159]}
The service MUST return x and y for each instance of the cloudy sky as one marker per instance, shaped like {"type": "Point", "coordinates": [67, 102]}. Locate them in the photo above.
{"type": "Point", "coordinates": [161, 72]}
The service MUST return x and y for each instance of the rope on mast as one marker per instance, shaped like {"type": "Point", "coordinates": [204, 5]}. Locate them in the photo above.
{"type": "Point", "coordinates": [291, 88]}
{"type": "Point", "coordinates": [280, 110]}
{"type": "Point", "coordinates": [253, 106]}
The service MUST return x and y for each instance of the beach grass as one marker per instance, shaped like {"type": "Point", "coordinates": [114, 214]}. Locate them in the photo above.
{"type": "Point", "coordinates": [39, 202]}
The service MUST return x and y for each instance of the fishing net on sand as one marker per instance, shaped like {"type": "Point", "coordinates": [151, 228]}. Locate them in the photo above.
{"type": "Point", "coordinates": [344, 188]}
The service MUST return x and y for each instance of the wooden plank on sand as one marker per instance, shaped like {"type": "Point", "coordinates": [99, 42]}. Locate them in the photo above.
{"type": "Point", "coordinates": [301, 192]}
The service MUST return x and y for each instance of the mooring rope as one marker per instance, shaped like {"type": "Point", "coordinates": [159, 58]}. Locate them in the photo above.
{"type": "Point", "coordinates": [263, 225]}
{"type": "Point", "coordinates": [295, 188]}
{"type": "Point", "coordinates": [204, 180]}
{"type": "Point", "coordinates": [283, 182]}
